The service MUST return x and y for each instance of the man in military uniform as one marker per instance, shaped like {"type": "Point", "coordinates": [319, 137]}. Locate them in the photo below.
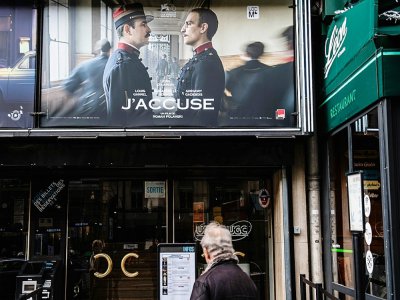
{"type": "Point", "coordinates": [126, 82]}
{"type": "Point", "coordinates": [202, 80]}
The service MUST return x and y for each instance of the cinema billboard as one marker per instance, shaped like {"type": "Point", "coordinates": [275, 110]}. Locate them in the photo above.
{"type": "Point", "coordinates": [183, 71]}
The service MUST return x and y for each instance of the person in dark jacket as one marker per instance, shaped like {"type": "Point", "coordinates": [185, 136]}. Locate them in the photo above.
{"type": "Point", "coordinates": [247, 89]}
{"type": "Point", "coordinates": [126, 82]}
{"type": "Point", "coordinates": [258, 94]}
{"type": "Point", "coordinates": [222, 279]}
{"type": "Point", "coordinates": [87, 80]}
{"type": "Point", "coordinates": [162, 70]}
{"type": "Point", "coordinates": [201, 81]}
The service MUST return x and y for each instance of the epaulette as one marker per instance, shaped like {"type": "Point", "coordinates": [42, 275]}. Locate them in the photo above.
{"type": "Point", "coordinates": [120, 59]}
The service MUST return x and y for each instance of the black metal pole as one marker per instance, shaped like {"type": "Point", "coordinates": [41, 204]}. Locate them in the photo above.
{"type": "Point", "coordinates": [302, 287]}
{"type": "Point", "coordinates": [359, 266]}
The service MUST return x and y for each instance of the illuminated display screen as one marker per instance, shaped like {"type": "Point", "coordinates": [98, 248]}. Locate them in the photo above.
{"type": "Point", "coordinates": [177, 271]}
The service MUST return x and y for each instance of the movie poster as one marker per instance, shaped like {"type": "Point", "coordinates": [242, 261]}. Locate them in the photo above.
{"type": "Point", "coordinates": [233, 68]}
{"type": "Point", "coordinates": [17, 64]}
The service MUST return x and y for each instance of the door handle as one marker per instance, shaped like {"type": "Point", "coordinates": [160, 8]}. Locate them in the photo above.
{"type": "Point", "coordinates": [110, 265]}
{"type": "Point", "coordinates": [128, 274]}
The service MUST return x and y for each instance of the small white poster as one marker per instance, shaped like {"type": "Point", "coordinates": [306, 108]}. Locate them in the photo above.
{"type": "Point", "coordinates": [369, 261]}
{"type": "Point", "coordinates": [355, 198]}
{"type": "Point", "coordinates": [253, 12]}
{"type": "Point", "coordinates": [367, 205]}
{"type": "Point", "coordinates": [154, 189]}
{"type": "Point", "coordinates": [368, 234]}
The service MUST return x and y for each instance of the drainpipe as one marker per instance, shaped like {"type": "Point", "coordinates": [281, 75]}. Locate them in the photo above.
{"type": "Point", "coordinates": [314, 210]}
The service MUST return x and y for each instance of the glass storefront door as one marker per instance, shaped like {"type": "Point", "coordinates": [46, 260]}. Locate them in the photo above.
{"type": "Point", "coordinates": [113, 231]}
{"type": "Point", "coordinates": [14, 195]}
{"type": "Point", "coordinates": [361, 154]}
{"type": "Point", "coordinates": [244, 206]}
{"type": "Point", "coordinates": [114, 228]}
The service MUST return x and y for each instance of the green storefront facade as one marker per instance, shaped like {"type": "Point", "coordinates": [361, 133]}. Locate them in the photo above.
{"type": "Point", "coordinates": [358, 114]}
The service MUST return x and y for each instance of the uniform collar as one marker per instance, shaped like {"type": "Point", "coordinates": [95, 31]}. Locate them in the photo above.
{"type": "Point", "coordinates": [202, 48]}
{"type": "Point", "coordinates": [128, 48]}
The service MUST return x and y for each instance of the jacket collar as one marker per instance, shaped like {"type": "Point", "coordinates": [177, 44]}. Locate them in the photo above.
{"type": "Point", "coordinates": [203, 48]}
{"type": "Point", "coordinates": [128, 48]}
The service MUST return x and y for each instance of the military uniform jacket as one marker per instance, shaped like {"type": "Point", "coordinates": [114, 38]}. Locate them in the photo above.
{"type": "Point", "coordinates": [202, 77]}
{"type": "Point", "coordinates": [127, 87]}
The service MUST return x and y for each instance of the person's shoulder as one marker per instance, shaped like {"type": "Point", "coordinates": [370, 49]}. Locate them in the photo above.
{"type": "Point", "coordinates": [210, 60]}
{"type": "Point", "coordinates": [209, 55]}
{"type": "Point", "coordinates": [122, 59]}
{"type": "Point", "coordinates": [122, 56]}
{"type": "Point", "coordinates": [236, 70]}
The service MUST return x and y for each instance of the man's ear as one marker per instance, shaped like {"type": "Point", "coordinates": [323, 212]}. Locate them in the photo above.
{"type": "Point", "coordinates": [206, 254]}
{"type": "Point", "coordinates": [126, 28]}
{"type": "Point", "coordinates": [204, 28]}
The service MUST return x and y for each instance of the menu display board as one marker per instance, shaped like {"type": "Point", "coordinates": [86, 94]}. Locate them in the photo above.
{"type": "Point", "coordinates": [355, 198]}
{"type": "Point", "coordinates": [176, 270]}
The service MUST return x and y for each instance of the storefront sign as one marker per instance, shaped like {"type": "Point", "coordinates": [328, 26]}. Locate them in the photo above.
{"type": "Point", "coordinates": [372, 184]}
{"type": "Point", "coordinates": [347, 34]}
{"type": "Point", "coordinates": [356, 93]}
{"type": "Point", "coordinates": [154, 189]}
{"type": "Point", "coordinates": [239, 230]}
{"type": "Point", "coordinates": [334, 46]}
{"type": "Point", "coordinates": [48, 197]}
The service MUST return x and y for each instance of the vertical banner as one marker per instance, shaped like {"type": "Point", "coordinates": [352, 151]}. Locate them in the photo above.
{"type": "Point", "coordinates": [169, 76]}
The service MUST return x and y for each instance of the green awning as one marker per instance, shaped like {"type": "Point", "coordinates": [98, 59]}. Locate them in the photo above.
{"type": "Point", "coordinates": [372, 80]}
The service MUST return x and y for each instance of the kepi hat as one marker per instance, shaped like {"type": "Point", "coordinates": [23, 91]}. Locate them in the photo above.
{"type": "Point", "coordinates": [128, 12]}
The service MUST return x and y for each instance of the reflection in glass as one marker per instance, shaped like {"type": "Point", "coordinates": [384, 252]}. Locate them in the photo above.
{"type": "Point", "coordinates": [14, 195]}
{"type": "Point", "coordinates": [234, 203]}
{"type": "Point", "coordinates": [342, 248]}
{"type": "Point", "coordinates": [115, 218]}
{"type": "Point", "coordinates": [366, 158]}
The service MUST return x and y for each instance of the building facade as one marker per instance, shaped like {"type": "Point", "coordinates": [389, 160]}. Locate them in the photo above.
{"type": "Point", "coordinates": [92, 199]}
{"type": "Point", "coordinates": [358, 122]}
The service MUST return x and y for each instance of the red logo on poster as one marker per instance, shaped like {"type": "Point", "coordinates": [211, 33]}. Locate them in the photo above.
{"type": "Point", "coordinates": [280, 114]}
